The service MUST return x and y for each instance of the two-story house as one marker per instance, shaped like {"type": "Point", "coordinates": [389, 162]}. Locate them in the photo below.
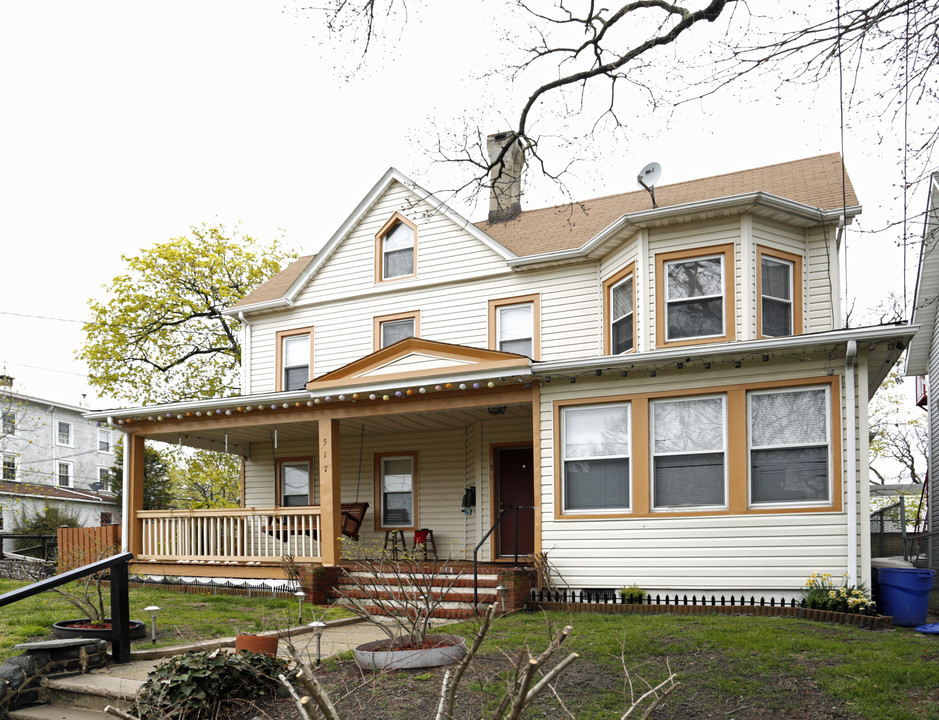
{"type": "Point", "coordinates": [664, 392]}
{"type": "Point", "coordinates": [52, 456]}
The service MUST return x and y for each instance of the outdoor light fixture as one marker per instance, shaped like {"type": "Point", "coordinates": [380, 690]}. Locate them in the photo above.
{"type": "Point", "coordinates": [500, 410]}
{"type": "Point", "coordinates": [300, 595]}
{"type": "Point", "coordinates": [318, 626]}
{"type": "Point", "coordinates": [153, 610]}
{"type": "Point", "coordinates": [500, 591]}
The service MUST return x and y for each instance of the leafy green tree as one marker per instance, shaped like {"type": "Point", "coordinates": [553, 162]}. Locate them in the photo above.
{"type": "Point", "coordinates": [900, 439]}
{"type": "Point", "coordinates": [160, 335]}
{"type": "Point", "coordinates": [207, 479]}
{"type": "Point", "coordinates": [45, 521]}
{"type": "Point", "coordinates": [157, 481]}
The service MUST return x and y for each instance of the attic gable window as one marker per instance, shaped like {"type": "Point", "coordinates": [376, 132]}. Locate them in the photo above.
{"type": "Point", "coordinates": [779, 283]}
{"type": "Point", "coordinates": [395, 249]}
{"type": "Point", "coordinates": [294, 358]}
{"type": "Point", "coordinates": [695, 296]}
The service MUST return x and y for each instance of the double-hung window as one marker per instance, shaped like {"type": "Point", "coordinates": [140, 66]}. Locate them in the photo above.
{"type": "Point", "coordinates": [64, 433]}
{"type": "Point", "coordinates": [397, 486]}
{"type": "Point", "coordinates": [621, 316]}
{"type": "Point", "coordinates": [294, 483]}
{"type": "Point", "coordinates": [694, 303]}
{"type": "Point", "coordinates": [9, 467]}
{"type": "Point", "coordinates": [395, 246]}
{"type": "Point", "coordinates": [780, 293]}
{"type": "Point", "coordinates": [104, 440]}
{"type": "Point", "coordinates": [689, 442]}
{"type": "Point", "coordinates": [789, 446]}
{"type": "Point", "coordinates": [9, 422]}
{"type": "Point", "coordinates": [64, 474]}
{"type": "Point", "coordinates": [294, 358]}
{"type": "Point", "coordinates": [595, 446]}
{"type": "Point", "coordinates": [515, 328]}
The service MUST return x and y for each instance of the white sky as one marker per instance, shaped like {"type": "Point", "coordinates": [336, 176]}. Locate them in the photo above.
{"type": "Point", "coordinates": [123, 124]}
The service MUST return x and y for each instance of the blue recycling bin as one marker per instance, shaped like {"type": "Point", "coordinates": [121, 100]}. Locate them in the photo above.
{"type": "Point", "coordinates": [904, 593]}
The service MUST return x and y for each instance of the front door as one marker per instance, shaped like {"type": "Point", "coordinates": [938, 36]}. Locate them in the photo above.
{"type": "Point", "coordinates": [515, 486]}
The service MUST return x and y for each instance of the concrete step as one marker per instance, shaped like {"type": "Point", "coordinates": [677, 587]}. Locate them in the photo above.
{"type": "Point", "coordinates": [90, 692]}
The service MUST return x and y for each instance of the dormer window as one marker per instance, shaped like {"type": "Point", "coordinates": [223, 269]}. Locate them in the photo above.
{"type": "Point", "coordinates": [395, 249]}
{"type": "Point", "coordinates": [294, 358]}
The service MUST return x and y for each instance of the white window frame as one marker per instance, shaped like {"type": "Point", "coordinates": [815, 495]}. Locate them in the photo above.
{"type": "Point", "coordinates": [791, 302]}
{"type": "Point", "coordinates": [285, 367]}
{"type": "Point", "coordinates": [4, 457]}
{"type": "Point", "coordinates": [565, 412]}
{"type": "Point", "coordinates": [400, 321]}
{"type": "Point", "coordinates": [70, 476]}
{"type": "Point", "coordinates": [106, 433]}
{"type": "Point", "coordinates": [104, 476]}
{"type": "Point", "coordinates": [58, 433]}
{"type": "Point", "coordinates": [669, 303]}
{"type": "Point", "coordinates": [284, 464]}
{"type": "Point", "coordinates": [530, 336]}
{"type": "Point", "coordinates": [630, 278]}
{"type": "Point", "coordinates": [828, 444]}
{"type": "Point", "coordinates": [413, 493]}
{"type": "Point", "coordinates": [653, 455]}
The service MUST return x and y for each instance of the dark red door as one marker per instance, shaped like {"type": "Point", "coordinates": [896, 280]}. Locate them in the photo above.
{"type": "Point", "coordinates": [514, 485]}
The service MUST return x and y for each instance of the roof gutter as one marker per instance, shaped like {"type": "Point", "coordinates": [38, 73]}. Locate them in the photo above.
{"type": "Point", "coordinates": [638, 219]}
{"type": "Point", "coordinates": [255, 307]}
{"type": "Point", "coordinates": [794, 342]}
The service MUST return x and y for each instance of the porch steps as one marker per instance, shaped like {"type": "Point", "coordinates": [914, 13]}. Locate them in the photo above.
{"type": "Point", "coordinates": [80, 697]}
{"type": "Point", "coordinates": [455, 587]}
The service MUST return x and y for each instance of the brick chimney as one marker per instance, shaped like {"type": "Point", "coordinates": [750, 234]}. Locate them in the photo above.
{"type": "Point", "coordinates": [505, 199]}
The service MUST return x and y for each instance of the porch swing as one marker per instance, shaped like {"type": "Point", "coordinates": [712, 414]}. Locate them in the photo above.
{"type": "Point", "coordinates": [352, 513]}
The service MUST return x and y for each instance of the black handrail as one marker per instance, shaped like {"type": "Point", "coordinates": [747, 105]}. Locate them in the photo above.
{"type": "Point", "coordinates": [120, 602]}
{"type": "Point", "coordinates": [486, 537]}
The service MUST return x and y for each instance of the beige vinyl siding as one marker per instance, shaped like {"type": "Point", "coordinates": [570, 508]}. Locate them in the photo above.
{"type": "Point", "coordinates": [730, 552]}
{"type": "Point", "coordinates": [688, 237]}
{"type": "Point", "coordinates": [822, 301]}
{"type": "Point", "coordinates": [259, 470]}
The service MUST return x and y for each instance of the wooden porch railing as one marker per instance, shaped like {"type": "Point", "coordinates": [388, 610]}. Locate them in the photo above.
{"type": "Point", "coordinates": [230, 535]}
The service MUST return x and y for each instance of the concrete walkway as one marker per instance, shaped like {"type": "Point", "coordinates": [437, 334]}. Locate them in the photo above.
{"type": "Point", "coordinates": [337, 637]}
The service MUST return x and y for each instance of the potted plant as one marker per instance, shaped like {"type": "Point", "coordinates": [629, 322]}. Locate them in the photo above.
{"type": "Point", "coordinates": [417, 589]}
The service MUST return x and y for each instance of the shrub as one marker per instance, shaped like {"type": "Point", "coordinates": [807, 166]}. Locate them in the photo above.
{"type": "Point", "coordinates": [195, 685]}
{"type": "Point", "coordinates": [40, 522]}
{"type": "Point", "coordinates": [821, 593]}
{"type": "Point", "coordinates": [632, 594]}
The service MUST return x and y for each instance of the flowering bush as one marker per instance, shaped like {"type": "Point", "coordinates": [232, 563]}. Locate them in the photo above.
{"type": "Point", "coordinates": [822, 594]}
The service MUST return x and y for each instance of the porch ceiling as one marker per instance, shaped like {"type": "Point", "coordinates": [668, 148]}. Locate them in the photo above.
{"type": "Point", "coordinates": [239, 438]}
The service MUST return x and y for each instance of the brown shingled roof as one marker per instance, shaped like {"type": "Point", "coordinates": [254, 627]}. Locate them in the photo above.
{"type": "Point", "coordinates": [277, 286]}
{"type": "Point", "coordinates": [815, 182]}
{"type": "Point", "coordinates": [53, 491]}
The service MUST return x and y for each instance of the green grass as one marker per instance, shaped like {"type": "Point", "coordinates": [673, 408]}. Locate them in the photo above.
{"type": "Point", "coordinates": [183, 617]}
{"type": "Point", "coordinates": [781, 664]}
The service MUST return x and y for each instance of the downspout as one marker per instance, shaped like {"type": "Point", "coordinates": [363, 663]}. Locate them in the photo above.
{"type": "Point", "coordinates": [851, 401]}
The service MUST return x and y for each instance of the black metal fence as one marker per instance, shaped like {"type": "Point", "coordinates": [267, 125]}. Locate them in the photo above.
{"type": "Point", "coordinates": [593, 596]}
{"type": "Point", "coordinates": [215, 587]}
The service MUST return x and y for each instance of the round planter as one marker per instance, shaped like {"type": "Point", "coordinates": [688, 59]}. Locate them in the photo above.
{"type": "Point", "coordinates": [66, 629]}
{"type": "Point", "coordinates": [257, 644]}
{"type": "Point", "coordinates": [377, 656]}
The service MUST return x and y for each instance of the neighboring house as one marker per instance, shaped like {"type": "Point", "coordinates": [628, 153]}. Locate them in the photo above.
{"type": "Point", "coordinates": [667, 387]}
{"type": "Point", "coordinates": [923, 356]}
{"type": "Point", "coordinates": [53, 457]}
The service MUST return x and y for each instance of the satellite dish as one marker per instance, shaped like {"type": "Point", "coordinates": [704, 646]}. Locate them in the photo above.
{"type": "Point", "coordinates": [96, 486]}
{"type": "Point", "coordinates": [648, 177]}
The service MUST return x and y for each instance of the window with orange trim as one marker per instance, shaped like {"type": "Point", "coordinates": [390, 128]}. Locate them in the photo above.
{"type": "Point", "coordinates": [396, 480]}
{"type": "Point", "coordinates": [619, 300]}
{"type": "Point", "coordinates": [396, 249]}
{"type": "Point", "coordinates": [779, 285]}
{"type": "Point", "coordinates": [294, 359]}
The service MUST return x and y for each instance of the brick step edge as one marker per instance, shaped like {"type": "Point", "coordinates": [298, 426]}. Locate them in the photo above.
{"type": "Point", "coordinates": [870, 622]}
{"type": "Point", "coordinates": [448, 597]}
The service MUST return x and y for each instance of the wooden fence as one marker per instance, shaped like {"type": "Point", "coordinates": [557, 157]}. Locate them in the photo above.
{"type": "Point", "coordinates": [80, 546]}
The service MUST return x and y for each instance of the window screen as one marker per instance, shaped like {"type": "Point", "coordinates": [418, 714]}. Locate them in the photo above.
{"type": "Point", "coordinates": [596, 452]}
{"type": "Point", "coordinates": [516, 328]}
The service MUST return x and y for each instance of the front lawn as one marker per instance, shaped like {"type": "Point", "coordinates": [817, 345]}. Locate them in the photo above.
{"type": "Point", "coordinates": [183, 617]}
{"type": "Point", "coordinates": [729, 668]}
